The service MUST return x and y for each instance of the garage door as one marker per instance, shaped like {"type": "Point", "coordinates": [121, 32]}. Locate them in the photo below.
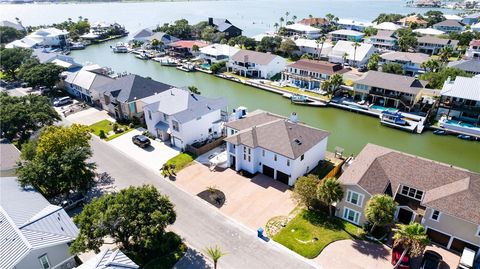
{"type": "Point", "coordinates": [268, 171]}
{"type": "Point", "coordinates": [438, 237]}
{"type": "Point", "coordinates": [458, 245]}
{"type": "Point", "coordinates": [282, 177]}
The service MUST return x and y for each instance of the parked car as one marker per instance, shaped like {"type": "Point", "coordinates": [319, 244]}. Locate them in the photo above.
{"type": "Point", "coordinates": [74, 201]}
{"type": "Point", "coordinates": [363, 68]}
{"type": "Point", "coordinates": [44, 90]}
{"type": "Point", "coordinates": [141, 141]}
{"type": "Point", "coordinates": [431, 260]}
{"type": "Point", "coordinates": [62, 101]}
{"type": "Point", "coordinates": [467, 259]}
{"type": "Point", "coordinates": [396, 254]}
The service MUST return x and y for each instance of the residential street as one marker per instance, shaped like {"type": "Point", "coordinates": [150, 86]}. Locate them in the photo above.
{"type": "Point", "coordinates": [198, 223]}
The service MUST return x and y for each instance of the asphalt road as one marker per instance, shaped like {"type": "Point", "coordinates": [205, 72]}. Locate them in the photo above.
{"type": "Point", "coordinates": [200, 224]}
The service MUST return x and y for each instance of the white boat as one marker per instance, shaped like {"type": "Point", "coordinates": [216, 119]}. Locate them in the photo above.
{"type": "Point", "coordinates": [120, 47]}
{"type": "Point", "coordinates": [165, 61]}
{"type": "Point", "coordinates": [187, 67]}
{"type": "Point", "coordinates": [142, 56]}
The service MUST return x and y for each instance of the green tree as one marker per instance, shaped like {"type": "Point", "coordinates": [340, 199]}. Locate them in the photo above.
{"type": "Point", "coordinates": [412, 238]}
{"type": "Point", "coordinates": [9, 34]}
{"type": "Point", "coordinates": [58, 163]}
{"type": "Point", "coordinates": [432, 65]}
{"type": "Point", "coordinates": [194, 90]}
{"type": "Point", "coordinates": [281, 21]}
{"type": "Point", "coordinates": [216, 67]}
{"type": "Point", "coordinates": [370, 31]}
{"type": "Point", "coordinates": [344, 58]}
{"type": "Point", "coordinates": [215, 253]}
{"type": "Point", "coordinates": [336, 80]}
{"type": "Point", "coordinates": [47, 75]}
{"type": "Point", "coordinates": [445, 53]}
{"type": "Point", "coordinates": [288, 47]}
{"type": "Point", "coordinates": [195, 48]}
{"type": "Point", "coordinates": [330, 191]}
{"type": "Point", "coordinates": [305, 190]}
{"type": "Point", "coordinates": [12, 59]}
{"type": "Point", "coordinates": [243, 42]}
{"type": "Point", "coordinates": [26, 66]}
{"type": "Point", "coordinates": [406, 39]}
{"type": "Point", "coordinates": [330, 17]}
{"type": "Point", "coordinates": [355, 46]}
{"type": "Point", "coordinates": [373, 62]}
{"type": "Point", "coordinates": [385, 17]}
{"type": "Point", "coordinates": [22, 116]}
{"type": "Point", "coordinates": [269, 44]}
{"type": "Point", "coordinates": [393, 68]}
{"type": "Point", "coordinates": [320, 41]}
{"type": "Point", "coordinates": [135, 218]}
{"type": "Point", "coordinates": [436, 79]}
{"type": "Point", "coordinates": [433, 16]}
{"type": "Point", "coordinates": [380, 210]}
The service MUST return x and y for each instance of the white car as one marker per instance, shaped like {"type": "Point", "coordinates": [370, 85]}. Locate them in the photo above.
{"type": "Point", "coordinates": [62, 101]}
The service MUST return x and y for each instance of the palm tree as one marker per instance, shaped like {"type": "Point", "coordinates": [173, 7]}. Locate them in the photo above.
{"type": "Point", "coordinates": [330, 17]}
{"type": "Point", "coordinates": [193, 89]}
{"type": "Point", "coordinates": [286, 16]}
{"type": "Point", "coordinates": [330, 191]}
{"type": "Point", "coordinates": [215, 253]}
{"type": "Point", "coordinates": [325, 86]}
{"type": "Point", "coordinates": [276, 26]}
{"type": "Point", "coordinates": [336, 80]}
{"type": "Point", "coordinates": [380, 210]}
{"type": "Point", "coordinates": [344, 58]}
{"type": "Point", "coordinates": [445, 53]}
{"type": "Point", "coordinates": [412, 238]}
{"type": "Point", "coordinates": [321, 40]}
{"type": "Point", "coordinates": [355, 46]}
{"type": "Point", "coordinates": [294, 18]}
{"type": "Point", "coordinates": [281, 21]}
{"type": "Point", "coordinates": [373, 62]}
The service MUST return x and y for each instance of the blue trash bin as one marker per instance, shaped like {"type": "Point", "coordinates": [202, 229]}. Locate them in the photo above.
{"type": "Point", "coordinates": [260, 232]}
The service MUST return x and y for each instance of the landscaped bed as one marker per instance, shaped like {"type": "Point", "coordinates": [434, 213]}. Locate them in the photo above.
{"type": "Point", "coordinates": [180, 161]}
{"type": "Point", "coordinates": [311, 231]}
{"type": "Point", "coordinates": [107, 127]}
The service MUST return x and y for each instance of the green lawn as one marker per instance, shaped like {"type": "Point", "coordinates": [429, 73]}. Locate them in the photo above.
{"type": "Point", "coordinates": [107, 126]}
{"type": "Point", "coordinates": [167, 261]}
{"type": "Point", "coordinates": [310, 232]}
{"type": "Point", "coordinates": [181, 161]}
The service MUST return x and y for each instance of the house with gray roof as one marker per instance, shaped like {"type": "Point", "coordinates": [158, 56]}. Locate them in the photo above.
{"type": "Point", "coordinates": [450, 26]}
{"type": "Point", "coordinates": [225, 26]}
{"type": "Point", "coordinates": [460, 102]}
{"type": "Point", "coordinates": [281, 148]}
{"type": "Point", "coordinates": [471, 66]}
{"type": "Point", "coordinates": [249, 63]}
{"type": "Point", "coordinates": [121, 97]}
{"type": "Point", "coordinates": [142, 35]}
{"type": "Point", "coordinates": [432, 45]}
{"type": "Point", "coordinates": [15, 25]}
{"type": "Point", "coordinates": [109, 259]}
{"type": "Point", "coordinates": [182, 118]}
{"type": "Point", "coordinates": [410, 61]}
{"type": "Point", "coordinates": [444, 199]}
{"type": "Point", "coordinates": [34, 234]}
{"type": "Point", "coordinates": [9, 158]}
{"type": "Point", "coordinates": [59, 59]}
{"type": "Point", "coordinates": [389, 90]}
{"type": "Point", "coordinates": [82, 83]}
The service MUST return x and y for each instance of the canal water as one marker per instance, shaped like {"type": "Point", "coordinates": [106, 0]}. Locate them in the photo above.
{"type": "Point", "coordinates": [348, 130]}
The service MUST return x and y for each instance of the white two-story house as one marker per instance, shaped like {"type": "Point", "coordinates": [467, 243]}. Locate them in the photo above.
{"type": "Point", "coordinates": [249, 63]}
{"type": "Point", "coordinates": [444, 199]}
{"type": "Point", "coordinates": [183, 118]}
{"type": "Point", "coordinates": [34, 234]}
{"type": "Point", "coordinates": [281, 148]}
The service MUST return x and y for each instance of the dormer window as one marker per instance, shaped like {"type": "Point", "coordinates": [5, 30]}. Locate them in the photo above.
{"type": "Point", "coordinates": [412, 193]}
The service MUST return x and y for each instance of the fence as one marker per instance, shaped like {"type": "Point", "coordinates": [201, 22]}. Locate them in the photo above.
{"type": "Point", "coordinates": [335, 171]}
{"type": "Point", "coordinates": [205, 148]}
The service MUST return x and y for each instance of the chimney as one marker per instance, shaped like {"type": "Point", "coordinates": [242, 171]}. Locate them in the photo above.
{"type": "Point", "coordinates": [293, 117]}
{"type": "Point", "coordinates": [210, 21]}
{"type": "Point", "coordinates": [449, 79]}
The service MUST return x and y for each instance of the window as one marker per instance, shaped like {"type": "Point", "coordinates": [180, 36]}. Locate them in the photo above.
{"type": "Point", "coordinates": [412, 193]}
{"type": "Point", "coordinates": [249, 150]}
{"type": "Point", "coordinates": [263, 153]}
{"type": "Point", "coordinates": [435, 215]}
{"type": "Point", "coordinates": [209, 130]}
{"type": "Point", "coordinates": [165, 117]}
{"type": "Point", "coordinates": [302, 157]}
{"type": "Point", "coordinates": [232, 132]}
{"type": "Point", "coordinates": [175, 125]}
{"type": "Point", "coordinates": [44, 261]}
{"type": "Point", "coordinates": [478, 231]}
{"type": "Point", "coordinates": [244, 156]}
{"type": "Point", "coordinates": [288, 162]}
{"type": "Point", "coordinates": [248, 158]}
{"type": "Point", "coordinates": [351, 215]}
{"type": "Point", "coordinates": [150, 115]}
{"type": "Point", "coordinates": [275, 157]}
{"type": "Point", "coordinates": [354, 198]}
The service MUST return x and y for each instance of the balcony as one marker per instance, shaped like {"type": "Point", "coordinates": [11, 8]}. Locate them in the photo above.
{"type": "Point", "coordinates": [459, 106]}
{"type": "Point", "coordinates": [66, 264]}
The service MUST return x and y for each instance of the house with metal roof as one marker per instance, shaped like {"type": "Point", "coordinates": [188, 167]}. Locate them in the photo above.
{"type": "Point", "coordinates": [34, 234]}
{"type": "Point", "coordinates": [121, 97]}
{"type": "Point", "coordinates": [387, 26]}
{"type": "Point", "coordinates": [471, 18]}
{"type": "Point", "coordinates": [450, 26]}
{"type": "Point", "coordinates": [281, 148]}
{"type": "Point", "coordinates": [349, 24]}
{"type": "Point", "coordinates": [109, 259]}
{"type": "Point", "coordinates": [344, 52]}
{"type": "Point", "coordinates": [8, 159]}
{"type": "Point", "coordinates": [389, 90]}
{"type": "Point", "coordinates": [459, 105]}
{"type": "Point", "coordinates": [162, 37]}
{"type": "Point", "coordinates": [51, 37]}
{"type": "Point", "coordinates": [444, 199]}
{"type": "Point", "coordinates": [225, 26]}
{"type": "Point", "coordinates": [302, 30]}
{"type": "Point", "coordinates": [410, 61]}
{"type": "Point", "coordinates": [182, 118]}
{"type": "Point", "coordinates": [142, 35]}
{"type": "Point", "coordinates": [432, 45]}
{"type": "Point", "coordinates": [217, 53]}
{"type": "Point", "coordinates": [309, 74]}
{"type": "Point", "coordinates": [249, 63]}
{"type": "Point", "coordinates": [45, 56]}
{"type": "Point", "coordinates": [428, 31]}
{"type": "Point", "coordinates": [347, 35]}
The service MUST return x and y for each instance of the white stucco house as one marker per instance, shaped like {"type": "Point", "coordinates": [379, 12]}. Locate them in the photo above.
{"type": "Point", "coordinates": [281, 148]}
{"type": "Point", "coordinates": [215, 53]}
{"type": "Point", "coordinates": [34, 234]}
{"type": "Point", "coordinates": [345, 52]}
{"type": "Point", "coordinates": [183, 118]}
{"type": "Point", "coordinates": [256, 64]}
{"type": "Point", "coordinates": [46, 37]}
{"type": "Point", "coordinates": [313, 48]}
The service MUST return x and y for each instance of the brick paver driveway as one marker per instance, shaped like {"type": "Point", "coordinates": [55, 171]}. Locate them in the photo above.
{"type": "Point", "coordinates": [251, 202]}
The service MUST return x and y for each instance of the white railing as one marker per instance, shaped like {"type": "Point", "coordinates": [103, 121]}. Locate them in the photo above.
{"type": "Point", "coordinates": [66, 264]}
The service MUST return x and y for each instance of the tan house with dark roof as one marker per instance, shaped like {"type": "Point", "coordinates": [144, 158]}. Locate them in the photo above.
{"type": "Point", "coordinates": [249, 63]}
{"type": "Point", "coordinates": [389, 90]}
{"type": "Point", "coordinates": [281, 148]}
{"type": "Point", "coordinates": [432, 45]}
{"type": "Point", "coordinates": [310, 73]}
{"type": "Point", "coordinates": [443, 198]}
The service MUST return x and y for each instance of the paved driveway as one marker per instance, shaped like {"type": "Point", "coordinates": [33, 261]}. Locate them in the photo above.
{"type": "Point", "coordinates": [152, 157]}
{"type": "Point", "coordinates": [354, 254]}
{"type": "Point", "coordinates": [251, 202]}
{"type": "Point", "coordinates": [89, 116]}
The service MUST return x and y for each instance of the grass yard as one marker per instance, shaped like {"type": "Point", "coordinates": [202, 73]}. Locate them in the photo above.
{"type": "Point", "coordinates": [181, 161]}
{"type": "Point", "coordinates": [107, 126]}
{"type": "Point", "coordinates": [310, 232]}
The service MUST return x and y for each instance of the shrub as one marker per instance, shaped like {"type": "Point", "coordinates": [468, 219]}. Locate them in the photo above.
{"type": "Point", "coordinates": [131, 125]}
{"type": "Point", "coordinates": [135, 120]}
{"type": "Point", "coordinates": [115, 127]}
{"type": "Point", "coordinates": [102, 134]}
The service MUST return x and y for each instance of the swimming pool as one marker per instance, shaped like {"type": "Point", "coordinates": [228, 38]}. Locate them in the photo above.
{"type": "Point", "coordinates": [205, 66]}
{"type": "Point", "coordinates": [462, 124]}
{"type": "Point", "coordinates": [382, 108]}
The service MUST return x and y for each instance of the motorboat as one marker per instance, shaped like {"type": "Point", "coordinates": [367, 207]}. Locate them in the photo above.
{"type": "Point", "coordinates": [440, 132]}
{"type": "Point", "coordinates": [120, 47]}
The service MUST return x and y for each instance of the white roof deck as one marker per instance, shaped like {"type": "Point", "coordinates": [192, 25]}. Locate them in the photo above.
{"type": "Point", "coordinates": [462, 87]}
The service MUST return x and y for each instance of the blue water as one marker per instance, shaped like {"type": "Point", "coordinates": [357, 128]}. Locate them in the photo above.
{"type": "Point", "coordinates": [382, 108]}
{"type": "Point", "coordinates": [462, 124]}
{"type": "Point", "coordinates": [205, 66]}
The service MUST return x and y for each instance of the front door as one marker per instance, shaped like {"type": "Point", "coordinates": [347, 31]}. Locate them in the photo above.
{"type": "Point", "coordinates": [404, 216]}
